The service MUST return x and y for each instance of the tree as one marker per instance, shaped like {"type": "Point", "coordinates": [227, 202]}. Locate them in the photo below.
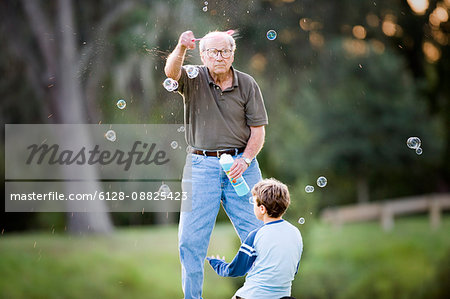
{"type": "Point", "coordinates": [362, 110]}
{"type": "Point", "coordinates": [54, 59]}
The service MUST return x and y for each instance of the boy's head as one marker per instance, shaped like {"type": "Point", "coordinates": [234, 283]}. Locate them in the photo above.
{"type": "Point", "coordinates": [273, 195]}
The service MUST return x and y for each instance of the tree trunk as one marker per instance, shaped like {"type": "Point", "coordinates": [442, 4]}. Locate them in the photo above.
{"type": "Point", "coordinates": [70, 109]}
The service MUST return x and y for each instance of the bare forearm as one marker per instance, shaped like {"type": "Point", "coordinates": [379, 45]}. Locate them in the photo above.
{"type": "Point", "coordinates": [255, 142]}
{"type": "Point", "coordinates": [254, 145]}
{"type": "Point", "coordinates": [175, 62]}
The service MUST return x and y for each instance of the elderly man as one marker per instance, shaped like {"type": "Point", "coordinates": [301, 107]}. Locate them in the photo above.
{"type": "Point", "coordinates": [224, 113]}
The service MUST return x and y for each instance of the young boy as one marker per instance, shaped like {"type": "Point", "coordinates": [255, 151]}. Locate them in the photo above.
{"type": "Point", "coordinates": [270, 254]}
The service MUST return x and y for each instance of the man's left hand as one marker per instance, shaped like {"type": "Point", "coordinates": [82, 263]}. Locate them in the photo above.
{"type": "Point", "coordinates": [238, 168]}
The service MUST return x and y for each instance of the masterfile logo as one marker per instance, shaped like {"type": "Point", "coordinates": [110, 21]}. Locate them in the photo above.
{"type": "Point", "coordinates": [92, 168]}
{"type": "Point", "coordinates": [53, 155]}
{"type": "Point", "coordinates": [35, 152]}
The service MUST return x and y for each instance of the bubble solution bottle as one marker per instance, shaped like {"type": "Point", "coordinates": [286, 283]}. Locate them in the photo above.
{"type": "Point", "coordinates": [239, 184]}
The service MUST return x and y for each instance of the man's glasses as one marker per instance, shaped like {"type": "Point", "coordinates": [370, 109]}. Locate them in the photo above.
{"type": "Point", "coordinates": [251, 200]}
{"type": "Point", "coordinates": [212, 53]}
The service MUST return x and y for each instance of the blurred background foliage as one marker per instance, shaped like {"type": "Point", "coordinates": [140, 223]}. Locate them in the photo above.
{"type": "Point", "coordinates": [345, 84]}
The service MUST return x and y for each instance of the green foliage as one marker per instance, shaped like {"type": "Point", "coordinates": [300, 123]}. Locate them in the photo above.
{"type": "Point", "coordinates": [349, 117]}
{"type": "Point", "coordinates": [363, 111]}
{"type": "Point", "coordinates": [331, 112]}
{"type": "Point", "coordinates": [358, 260]}
{"type": "Point", "coordinates": [437, 286]}
{"type": "Point", "coordinates": [129, 264]}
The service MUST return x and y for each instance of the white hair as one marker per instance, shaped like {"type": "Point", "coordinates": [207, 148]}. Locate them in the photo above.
{"type": "Point", "coordinates": [227, 36]}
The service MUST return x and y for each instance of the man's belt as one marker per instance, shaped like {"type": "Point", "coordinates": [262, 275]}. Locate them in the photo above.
{"type": "Point", "coordinates": [218, 153]}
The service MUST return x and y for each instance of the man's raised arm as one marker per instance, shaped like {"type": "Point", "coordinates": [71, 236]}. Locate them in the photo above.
{"type": "Point", "coordinates": [176, 58]}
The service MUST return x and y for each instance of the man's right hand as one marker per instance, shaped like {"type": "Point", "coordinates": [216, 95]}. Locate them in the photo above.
{"type": "Point", "coordinates": [186, 40]}
{"type": "Point", "coordinates": [176, 58]}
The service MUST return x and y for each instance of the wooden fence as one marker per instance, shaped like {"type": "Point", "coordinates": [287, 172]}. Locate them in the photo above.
{"type": "Point", "coordinates": [385, 211]}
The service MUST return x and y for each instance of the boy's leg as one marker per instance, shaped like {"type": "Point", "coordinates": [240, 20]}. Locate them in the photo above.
{"type": "Point", "coordinates": [195, 226]}
{"type": "Point", "coordinates": [239, 209]}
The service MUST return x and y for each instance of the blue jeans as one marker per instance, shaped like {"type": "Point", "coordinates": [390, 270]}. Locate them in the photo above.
{"type": "Point", "coordinates": [210, 187]}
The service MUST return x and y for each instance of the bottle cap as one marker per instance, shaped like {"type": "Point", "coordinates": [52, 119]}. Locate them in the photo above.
{"type": "Point", "coordinates": [226, 159]}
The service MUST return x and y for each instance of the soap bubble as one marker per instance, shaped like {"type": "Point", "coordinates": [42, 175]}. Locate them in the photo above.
{"type": "Point", "coordinates": [174, 85]}
{"type": "Point", "coordinates": [419, 151]}
{"type": "Point", "coordinates": [192, 71]}
{"type": "Point", "coordinates": [309, 189]}
{"type": "Point", "coordinates": [170, 84]}
{"type": "Point", "coordinates": [164, 190]}
{"type": "Point", "coordinates": [110, 135]}
{"type": "Point", "coordinates": [322, 181]}
{"type": "Point", "coordinates": [271, 34]}
{"type": "Point", "coordinates": [205, 8]}
{"type": "Point", "coordinates": [180, 129]}
{"type": "Point", "coordinates": [174, 144]}
{"type": "Point", "coordinates": [206, 2]}
{"type": "Point", "coordinates": [121, 104]}
{"type": "Point", "coordinates": [301, 220]}
{"type": "Point", "coordinates": [413, 142]}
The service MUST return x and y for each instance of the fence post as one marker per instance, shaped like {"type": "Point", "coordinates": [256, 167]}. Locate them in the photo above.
{"type": "Point", "coordinates": [435, 213]}
{"type": "Point", "coordinates": [337, 221]}
{"type": "Point", "coordinates": [387, 218]}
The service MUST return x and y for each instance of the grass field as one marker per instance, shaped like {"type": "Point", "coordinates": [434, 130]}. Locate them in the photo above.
{"type": "Point", "coordinates": [362, 261]}
{"type": "Point", "coordinates": [143, 262]}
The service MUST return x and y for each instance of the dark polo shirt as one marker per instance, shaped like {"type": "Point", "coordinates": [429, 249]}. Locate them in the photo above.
{"type": "Point", "coordinates": [217, 119]}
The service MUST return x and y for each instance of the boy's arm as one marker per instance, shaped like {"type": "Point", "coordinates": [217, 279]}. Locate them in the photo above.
{"type": "Point", "coordinates": [241, 263]}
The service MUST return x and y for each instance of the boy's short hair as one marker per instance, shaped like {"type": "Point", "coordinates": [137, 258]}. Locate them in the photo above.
{"type": "Point", "coordinates": [274, 195]}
